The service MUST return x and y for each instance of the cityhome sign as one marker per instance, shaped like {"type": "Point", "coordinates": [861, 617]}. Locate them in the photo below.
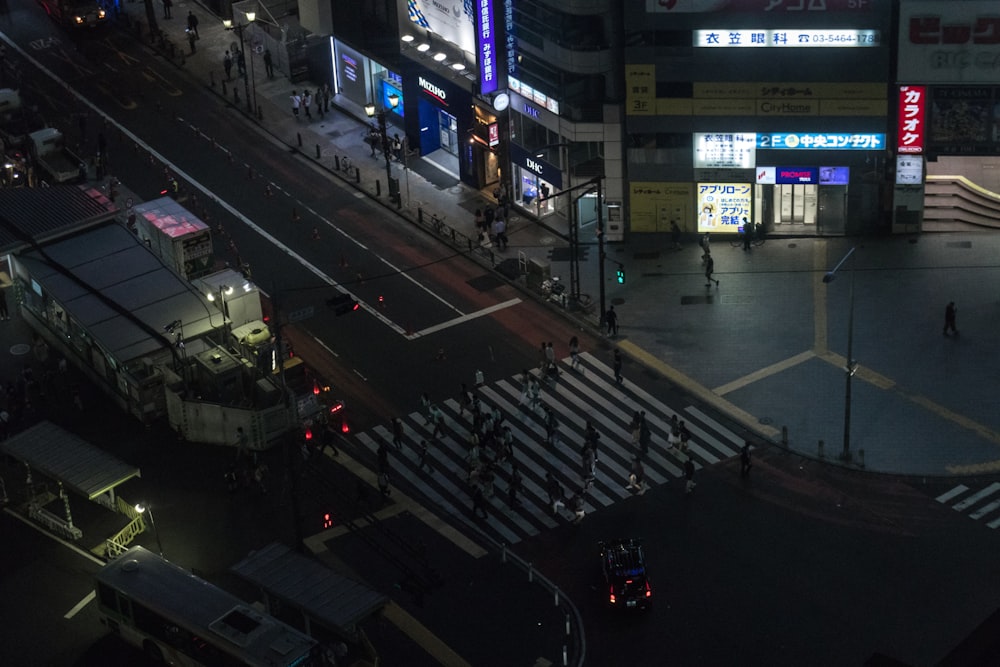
{"type": "Point", "coordinates": [434, 91]}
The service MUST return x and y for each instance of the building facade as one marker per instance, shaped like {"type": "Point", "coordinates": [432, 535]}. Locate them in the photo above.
{"type": "Point", "coordinates": [765, 112]}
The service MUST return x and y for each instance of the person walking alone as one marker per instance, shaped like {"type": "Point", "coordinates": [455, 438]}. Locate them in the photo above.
{"type": "Point", "coordinates": [618, 367]}
{"type": "Point", "coordinates": [709, 270]}
{"type": "Point", "coordinates": [193, 24]}
{"type": "Point", "coordinates": [515, 486]}
{"type": "Point", "coordinates": [637, 477]}
{"type": "Point", "coordinates": [397, 432]}
{"type": "Point", "coordinates": [268, 63]}
{"type": "Point", "coordinates": [745, 461]}
{"type": "Point", "coordinates": [689, 476]}
{"type": "Point", "coordinates": [307, 100]}
{"type": "Point", "coordinates": [227, 64]}
{"type": "Point", "coordinates": [611, 317]}
{"type": "Point", "coordinates": [950, 311]}
{"type": "Point", "coordinates": [574, 353]}
{"type": "Point", "coordinates": [706, 248]}
{"type": "Point", "coordinates": [425, 456]}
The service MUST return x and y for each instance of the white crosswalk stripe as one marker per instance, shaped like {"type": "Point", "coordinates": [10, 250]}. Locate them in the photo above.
{"type": "Point", "coordinates": [979, 504]}
{"type": "Point", "coordinates": [576, 397]}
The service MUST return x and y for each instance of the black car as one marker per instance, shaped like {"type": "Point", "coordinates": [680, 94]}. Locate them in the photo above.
{"type": "Point", "coordinates": [624, 567]}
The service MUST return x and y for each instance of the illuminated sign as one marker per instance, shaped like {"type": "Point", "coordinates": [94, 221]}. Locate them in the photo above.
{"type": "Point", "coordinates": [486, 47]}
{"type": "Point", "coordinates": [798, 6]}
{"type": "Point", "coordinates": [910, 133]}
{"type": "Point", "coordinates": [795, 175]}
{"type": "Point", "coordinates": [821, 141]}
{"type": "Point", "coordinates": [453, 22]}
{"type": "Point", "coordinates": [714, 150]}
{"type": "Point", "coordinates": [909, 170]}
{"type": "Point", "coordinates": [434, 91]}
{"type": "Point", "coordinates": [949, 42]}
{"type": "Point", "coordinates": [494, 129]}
{"type": "Point", "coordinates": [722, 207]}
{"type": "Point", "coordinates": [765, 175]}
{"type": "Point", "coordinates": [786, 38]}
{"type": "Point", "coordinates": [834, 175]}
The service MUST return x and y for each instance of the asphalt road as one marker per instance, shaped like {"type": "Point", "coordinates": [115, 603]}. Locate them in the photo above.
{"type": "Point", "coordinates": [796, 567]}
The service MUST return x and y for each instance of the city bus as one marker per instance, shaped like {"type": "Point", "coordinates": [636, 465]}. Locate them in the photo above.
{"type": "Point", "coordinates": [177, 618]}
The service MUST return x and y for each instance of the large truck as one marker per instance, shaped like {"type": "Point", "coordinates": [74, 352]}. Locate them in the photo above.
{"type": "Point", "coordinates": [49, 152]}
{"type": "Point", "coordinates": [176, 235]}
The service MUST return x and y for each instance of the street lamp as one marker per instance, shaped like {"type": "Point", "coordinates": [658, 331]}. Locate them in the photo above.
{"type": "Point", "coordinates": [146, 509]}
{"type": "Point", "coordinates": [371, 111]}
{"type": "Point", "coordinates": [851, 366]}
{"type": "Point", "coordinates": [239, 28]}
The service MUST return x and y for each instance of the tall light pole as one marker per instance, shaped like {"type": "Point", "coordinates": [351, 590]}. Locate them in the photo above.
{"type": "Point", "coordinates": [240, 27]}
{"type": "Point", "coordinates": [851, 366]}
{"type": "Point", "coordinates": [379, 114]}
{"type": "Point", "coordinates": [143, 508]}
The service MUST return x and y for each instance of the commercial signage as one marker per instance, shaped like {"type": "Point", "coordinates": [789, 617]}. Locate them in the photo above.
{"type": "Point", "coordinates": [910, 133]}
{"type": "Point", "coordinates": [814, 8]}
{"type": "Point", "coordinates": [508, 24]}
{"type": "Point", "coordinates": [539, 167]}
{"type": "Point", "coordinates": [722, 207]}
{"type": "Point", "coordinates": [737, 38]}
{"type": "Point", "coordinates": [909, 169]}
{"type": "Point", "coordinates": [821, 141]}
{"type": "Point", "coordinates": [834, 175]}
{"type": "Point", "coordinates": [451, 21]}
{"type": "Point", "coordinates": [434, 91]}
{"type": "Point", "coordinates": [963, 120]}
{"type": "Point", "coordinates": [949, 42]}
{"type": "Point", "coordinates": [494, 130]}
{"type": "Point", "coordinates": [486, 47]}
{"type": "Point", "coordinates": [713, 150]}
{"type": "Point", "coordinates": [803, 175]}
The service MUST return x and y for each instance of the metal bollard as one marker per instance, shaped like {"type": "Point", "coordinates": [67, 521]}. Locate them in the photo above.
{"type": "Point", "coordinates": [784, 436]}
{"type": "Point", "coordinates": [568, 626]}
{"type": "Point", "coordinates": [225, 88]}
{"type": "Point", "coordinates": [555, 596]}
{"type": "Point", "coordinates": [503, 553]}
{"type": "Point", "coordinates": [821, 449]}
{"type": "Point", "coordinates": [565, 656]}
{"type": "Point", "coordinates": [298, 135]}
{"type": "Point", "coordinates": [531, 572]}
{"type": "Point", "coordinates": [317, 151]}
{"type": "Point", "coordinates": [357, 175]}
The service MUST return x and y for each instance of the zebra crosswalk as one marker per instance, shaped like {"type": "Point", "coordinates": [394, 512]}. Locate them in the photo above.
{"type": "Point", "coordinates": [982, 504]}
{"type": "Point", "coordinates": [576, 397]}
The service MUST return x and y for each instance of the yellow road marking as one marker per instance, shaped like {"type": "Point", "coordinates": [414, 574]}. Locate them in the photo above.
{"type": "Point", "coordinates": [765, 372]}
{"type": "Point", "coordinates": [703, 393]}
{"type": "Point", "coordinates": [427, 640]}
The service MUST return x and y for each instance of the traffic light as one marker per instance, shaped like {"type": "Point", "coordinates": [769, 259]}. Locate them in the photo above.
{"type": "Point", "coordinates": [620, 273]}
{"type": "Point", "coordinates": [343, 304]}
{"type": "Point", "coordinates": [327, 520]}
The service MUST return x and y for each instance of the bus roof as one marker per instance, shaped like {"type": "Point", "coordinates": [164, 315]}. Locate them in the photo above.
{"type": "Point", "coordinates": [176, 594]}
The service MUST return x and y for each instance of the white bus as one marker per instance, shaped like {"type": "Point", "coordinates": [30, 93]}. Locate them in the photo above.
{"type": "Point", "coordinates": [179, 619]}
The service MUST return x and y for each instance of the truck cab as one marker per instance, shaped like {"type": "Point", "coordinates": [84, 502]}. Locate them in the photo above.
{"type": "Point", "coordinates": [75, 14]}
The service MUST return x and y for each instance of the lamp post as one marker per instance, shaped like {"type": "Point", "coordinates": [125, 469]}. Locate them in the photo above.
{"type": "Point", "coordinates": [852, 366]}
{"type": "Point", "coordinates": [383, 129]}
{"type": "Point", "coordinates": [143, 508]}
{"type": "Point", "coordinates": [239, 28]}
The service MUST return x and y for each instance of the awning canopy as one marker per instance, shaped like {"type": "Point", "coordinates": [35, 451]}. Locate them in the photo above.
{"type": "Point", "coordinates": [64, 457]}
{"type": "Point", "coordinates": [331, 599]}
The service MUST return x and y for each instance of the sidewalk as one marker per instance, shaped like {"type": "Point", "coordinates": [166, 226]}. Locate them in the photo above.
{"type": "Point", "coordinates": [766, 348]}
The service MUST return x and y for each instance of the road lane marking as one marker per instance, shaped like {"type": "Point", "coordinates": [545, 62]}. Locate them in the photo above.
{"type": "Point", "coordinates": [465, 318]}
{"type": "Point", "coordinates": [372, 310]}
{"type": "Point", "coordinates": [765, 372]}
{"type": "Point", "coordinates": [80, 605]}
{"type": "Point", "coordinates": [957, 491]}
{"type": "Point", "coordinates": [976, 497]}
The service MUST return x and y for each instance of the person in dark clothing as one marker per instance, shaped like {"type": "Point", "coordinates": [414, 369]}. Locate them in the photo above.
{"type": "Point", "coordinates": [269, 63]}
{"type": "Point", "coordinates": [618, 367]}
{"type": "Point", "coordinates": [689, 476]}
{"type": "Point", "coordinates": [479, 504]}
{"type": "Point", "coordinates": [611, 318]}
{"type": "Point", "coordinates": [745, 460]}
{"type": "Point", "coordinates": [167, 4]}
{"type": "Point", "coordinates": [675, 236]}
{"type": "Point", "coordinates": [4, 314]}
{"type": "Point", "coordinates": [950, 312]}
{"type": "Point", "coordinates": [193, 25]}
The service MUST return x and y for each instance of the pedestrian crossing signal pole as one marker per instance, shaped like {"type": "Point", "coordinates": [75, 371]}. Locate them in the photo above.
{"type": "Point", "coordinates": [851, 366]}
{"type": "Point", "coordinates": [620, 273]}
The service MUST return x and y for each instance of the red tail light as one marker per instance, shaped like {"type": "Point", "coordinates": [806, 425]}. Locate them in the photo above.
{"type": "Point", "coordinates": [649, 591]}
{"type": "Point", "coordinates": [309, 434]}
{"type": "Point", "coordinates": [611, 596]}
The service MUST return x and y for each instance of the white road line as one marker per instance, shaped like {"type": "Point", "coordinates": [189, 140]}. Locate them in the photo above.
{"type": "Point", "coordinates": [957, 491]}
{"type": "Point", "coordinates": [718, 428]}
{"type": "Point", "coordinates": [232, 210]}
{"type": "Point", "coordinates": [994, 523]}
{"type": "Point", "coordinates": [985, 509]}
{"type": "Point", "coordinates": [80, 605]}
{"type": "Point", "coordinates": [976, 497]}
{"type": "Point", "coordinates": [465, 318]}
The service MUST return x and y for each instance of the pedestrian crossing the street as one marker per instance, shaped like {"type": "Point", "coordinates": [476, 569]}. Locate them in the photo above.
{"type": "Point", "coordinates": [981, 505]}
{"type": "Point", "coordinates": [574, 397]}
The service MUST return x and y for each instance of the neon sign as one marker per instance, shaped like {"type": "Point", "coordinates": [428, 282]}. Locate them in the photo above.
{"type": "Point", "coordinates": [910, 133]}
{"type": "Point", "coordinates": [486, 47]}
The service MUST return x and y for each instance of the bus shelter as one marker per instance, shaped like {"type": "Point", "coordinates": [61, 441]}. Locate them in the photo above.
{"type": "Point", "coordinates": [72, 463]}
{"type": "Point", "coordinates": [331, 606]}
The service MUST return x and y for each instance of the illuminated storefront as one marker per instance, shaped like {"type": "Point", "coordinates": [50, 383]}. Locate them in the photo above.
{"type": "Point", "coordinates": [794, 141]}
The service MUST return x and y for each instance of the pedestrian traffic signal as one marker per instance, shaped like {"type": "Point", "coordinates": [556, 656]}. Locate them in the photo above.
{"type": "Point", "coordinates": [327, 520]}
{"type": "Point", "coordinates": [621, 274]}
{"type": "Point", "coordinates": [343, 304]}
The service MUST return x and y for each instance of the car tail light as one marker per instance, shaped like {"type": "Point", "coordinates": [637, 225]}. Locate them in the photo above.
{"type": "Point", "coordinates": [611, 597]}
{"type": "Point", "coordinates": [649, 591]}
